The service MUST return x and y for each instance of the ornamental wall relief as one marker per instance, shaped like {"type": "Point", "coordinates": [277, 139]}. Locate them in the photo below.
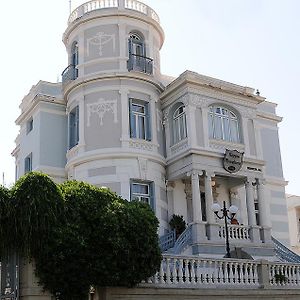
{"type": "Point", "coordinates": [100, 108]}
{"type": "Point", "coordinates": [100, 40]}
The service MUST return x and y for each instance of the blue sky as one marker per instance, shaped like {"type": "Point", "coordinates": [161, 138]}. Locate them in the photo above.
{"type": "Point", "coordinates": [249, 42]}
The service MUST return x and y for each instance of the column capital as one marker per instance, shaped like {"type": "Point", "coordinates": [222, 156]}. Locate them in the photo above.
{"type": "Point", "coordinates": [209, 174]}
{"type": "Point", "coordinates": [194, 174]}
{"type": "Point", "coordinates": [249, 180]}
{"type": "Point", "coordinates": [260, 181]}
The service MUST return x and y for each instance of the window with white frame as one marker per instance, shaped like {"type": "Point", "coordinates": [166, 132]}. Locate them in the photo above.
{"type": "Point", "coordinates": [224, 124]}
{"type": "Point", "coordinates": [179, 124]}
{"type": "Point", "coordinates": [74, 127]}
{"type": "Point", "coordinates": [139, 116]}
{"type": "Point", "coordinates": [28, 163]}
{"type": "Point", "coordinates": [142, 191]}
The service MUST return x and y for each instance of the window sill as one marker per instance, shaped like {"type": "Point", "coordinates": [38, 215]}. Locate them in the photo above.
{"type": "Point", "coordinates": [72, 152]}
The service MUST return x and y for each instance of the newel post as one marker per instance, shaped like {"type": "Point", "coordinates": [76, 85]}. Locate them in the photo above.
{"type": "Point", "coordinates": [263, 275]}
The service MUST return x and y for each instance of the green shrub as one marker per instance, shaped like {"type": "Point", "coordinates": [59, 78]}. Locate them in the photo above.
{"type": "Point", "coordinates": [103, 241]}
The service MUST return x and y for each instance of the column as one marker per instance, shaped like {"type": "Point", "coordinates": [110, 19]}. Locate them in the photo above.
{"type": "Point", "coordinates": [196, 197]}
{"type": "Point", "coordinates": [209, 198]}
{"type": "Point", "coordinates": [264, 217]}
{"type": "Point", "coordinates": [262, 205]}
{"type": "Point", "coordinates": [250, 202]}
{"type": "Point", "coordinates": [254, 229]}
{"type": "Point", "coordinates": [198, 227]}
{"type": "Point", "coordinates": [212, 226]}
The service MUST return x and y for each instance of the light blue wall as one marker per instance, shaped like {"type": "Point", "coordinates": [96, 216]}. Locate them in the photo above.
{"type": "Point", "coordinates": [271, 152]}
{"type": "Point", "coordinates": [53, 140]}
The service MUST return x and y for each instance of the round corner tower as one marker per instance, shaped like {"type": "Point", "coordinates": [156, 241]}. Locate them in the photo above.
{"type": "Point", "coordinates": [111, 87]}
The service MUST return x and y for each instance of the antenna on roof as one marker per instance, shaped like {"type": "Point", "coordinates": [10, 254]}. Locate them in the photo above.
{"type": "Point", "coordinates": [70, 6]}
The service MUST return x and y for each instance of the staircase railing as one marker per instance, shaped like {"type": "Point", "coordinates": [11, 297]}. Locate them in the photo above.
{"type": "Point", "coordinates": [167, 241]}
{"type": "Point", "coordinates": [284, 253]}
{"type": "Point", "coordinates": [183, 240]}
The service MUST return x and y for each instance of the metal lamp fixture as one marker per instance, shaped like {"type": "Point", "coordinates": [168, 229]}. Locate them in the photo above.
{"type": "Point", "coordinates": [227, 215]}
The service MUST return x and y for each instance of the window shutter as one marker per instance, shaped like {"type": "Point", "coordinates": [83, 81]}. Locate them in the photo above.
{"type": "Point", "coordinates": [131, 120]}
{"type": "Point", "coordinates": [148, 122]}
{"type": "Point", "coordinates": [152, 195]}
{"type": "Point", "coordinates": [70, 130]}
{"type": "Point", "coordinates": [130, 191]}
{"type": "Point", "coordinates": [130, 58]}
{"type": "Point", "coordinates": [77, 124]}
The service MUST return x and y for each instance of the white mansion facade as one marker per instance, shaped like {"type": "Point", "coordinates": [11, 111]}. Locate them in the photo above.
{"type": "Point", "coordinates": [116, 121]}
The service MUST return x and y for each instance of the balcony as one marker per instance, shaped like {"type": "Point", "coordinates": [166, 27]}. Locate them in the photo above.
{"type": "Point", "coordinates": [132, 5]}
{"type": "Point", "coordinates": [195, 272]}
{"type": "Point", "coordinates": [69, 73]}
{"type": "Point", "coordinates": [140, 63]}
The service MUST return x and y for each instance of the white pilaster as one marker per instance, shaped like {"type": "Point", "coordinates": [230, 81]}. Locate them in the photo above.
{"type": "Point", "coordinates": [204, 111]}
{"type": "Point", "coordinates": [123, 53]}
{"type": "Point", "coordinates": [153, 121]}
{"type": "Point", "coordinates": [125, 114]}
{"type": "Point", "coordinates": [246, 135]}
{"type": "Point", "coordinates": [258, 139]}
{"type": "Point", "coordinates": [191, 123]}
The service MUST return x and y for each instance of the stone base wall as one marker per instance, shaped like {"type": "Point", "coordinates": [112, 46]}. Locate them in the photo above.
{"type": "Point", "coordinates": [193, 294]}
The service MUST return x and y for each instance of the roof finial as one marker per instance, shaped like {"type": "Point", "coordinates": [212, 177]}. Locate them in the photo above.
{"type": "Point", "coordinates": [257, 92]}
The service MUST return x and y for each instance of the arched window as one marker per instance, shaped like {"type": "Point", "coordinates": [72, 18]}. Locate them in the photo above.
{"type": "Point", "coordinates": [75, 58]}
{"type": "Point", "coordinates": [179, 124]}
{"type": "Point", "coordinates": [137, 60]}
{"type": "Point", "coordinates": [223, 124]}
{"type": "Point", "coordinates": [136, 45]}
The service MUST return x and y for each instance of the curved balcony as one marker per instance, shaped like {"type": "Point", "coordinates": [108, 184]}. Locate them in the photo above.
{"type": "Point", "coordinates": [117, 4]}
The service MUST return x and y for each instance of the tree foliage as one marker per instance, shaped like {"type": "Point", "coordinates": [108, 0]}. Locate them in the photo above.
{"type": "Point", "coordinates": [80, 235]}
{"type": "Point", "coordinates": [35, 206]}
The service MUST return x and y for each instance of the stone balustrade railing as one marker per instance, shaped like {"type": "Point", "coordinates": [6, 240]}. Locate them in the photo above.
{"type": "Point", "coordinates": [197, 272]}
{"type": "Point", "coordinates": [236, 232]}
{"type": "Point", "coordinates": [119, 4]}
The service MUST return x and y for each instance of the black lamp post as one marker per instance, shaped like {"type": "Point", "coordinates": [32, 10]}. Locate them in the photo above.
{"type": "Point", "coordinates": [227, 215]}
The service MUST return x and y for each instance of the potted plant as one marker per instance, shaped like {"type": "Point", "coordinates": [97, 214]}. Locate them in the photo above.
{"type": "Point", "coordinates": [280, 278]}
{"type": "Point", "coordinates": [178, 224]}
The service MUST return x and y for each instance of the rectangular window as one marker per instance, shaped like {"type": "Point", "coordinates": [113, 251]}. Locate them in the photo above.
{"type": "Point", "coordinates": [142, 191]}
{"type": "Point", "coordinates": [74, 127]}
{"type": "Point", "coordinates": [28, 163]}
{"type": "Point", "coordinates": [139, 119]}
{"type": "Point", "coordinates": [29, 125]}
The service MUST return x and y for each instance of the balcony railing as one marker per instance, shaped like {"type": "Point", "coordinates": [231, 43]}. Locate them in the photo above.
{"type": "Point", "coordinates": [140, 64]}
{"type": "Point", "coordinates": [196, 272]}
{"type": "Point", "coordinates": [69, 73]}
{"type": "Point", "coordinates": [119, 4]}
{"type": "Point", "coordinates": [236, 232]}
